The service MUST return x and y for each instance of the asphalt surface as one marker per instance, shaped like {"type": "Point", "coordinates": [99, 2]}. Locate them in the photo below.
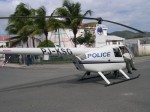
{"type": "Point", "coordinates": [56, 88]}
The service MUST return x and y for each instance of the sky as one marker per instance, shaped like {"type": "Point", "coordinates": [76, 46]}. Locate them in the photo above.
{"type": "Point", "coordinates": [135, 13]}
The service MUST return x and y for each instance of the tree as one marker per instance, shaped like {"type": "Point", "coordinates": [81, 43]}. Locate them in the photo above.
{"type": "Point", "coordinates": [15, 25]}
{"type": "Point", "coordinates": [30, 27]}
{"type": "Point", "coordinates": [44, 44]}
{"type": "Point", "coordinates": [41, 25]}
{"type": "Point", "coordinates": [55, 25]}
{"type": "Point", "coordinates": [71, 9]}
{"type": "Point", "coordinates": [87, 40]}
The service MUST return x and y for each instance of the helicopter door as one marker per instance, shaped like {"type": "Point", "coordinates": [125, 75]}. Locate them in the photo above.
{"type": "Point", "coordinates": [124, 51]}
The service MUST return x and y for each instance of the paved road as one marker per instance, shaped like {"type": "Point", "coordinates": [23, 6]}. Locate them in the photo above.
{"type": "Point", "coordinates": [57, 89]}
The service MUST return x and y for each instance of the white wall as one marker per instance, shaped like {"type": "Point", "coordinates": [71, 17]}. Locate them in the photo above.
{"type": "Point", "coordinates": [143, 49]}
{"type": "Point", "coordinates": [66, 36]}
{"type": "Point", "coordinates": [2, 56]}
{"type": "Point", "coordinates": [3, 43]}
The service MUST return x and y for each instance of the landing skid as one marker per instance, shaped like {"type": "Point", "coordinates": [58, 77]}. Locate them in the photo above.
{"type": "Point", "coordinates": [108, 83]}
{"type": "Point", "coordinates": [113, 83]}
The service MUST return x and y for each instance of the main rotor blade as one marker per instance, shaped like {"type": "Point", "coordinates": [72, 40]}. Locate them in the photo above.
{"type": "Point", "coordinates": [99, 19]}
{"type": "Point", "coordinates": [123, 25]}
{"type": "Point", "coordinates": [37, 17]}
{"type": "Point", "coordinates": [21, 17]}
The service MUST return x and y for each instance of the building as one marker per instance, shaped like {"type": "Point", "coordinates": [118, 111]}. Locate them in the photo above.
{"type": "Point", "coordinates": [4, 41]}
{"type": "Point", "coordinates": [139, 46]}
{"type": "Point", "coordinates": [64, 37]}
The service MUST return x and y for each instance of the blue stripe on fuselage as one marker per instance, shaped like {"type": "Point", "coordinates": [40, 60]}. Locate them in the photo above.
{"type": "Point", "coordinates": [99, 62]}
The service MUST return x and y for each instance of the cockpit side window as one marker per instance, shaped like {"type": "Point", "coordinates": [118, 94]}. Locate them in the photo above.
{"type": "Point", "coordinates": [117, 52]}
{"type": "Point", "coordinates": [123, 49]}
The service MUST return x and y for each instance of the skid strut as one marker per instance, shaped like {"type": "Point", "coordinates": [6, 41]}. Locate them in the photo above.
{"type": "Point", "coordinates": [103, 76]}
{"type": "Point", "coordinates": [85, 74]}
{"type": "Point", "coordinates": [123, 73]}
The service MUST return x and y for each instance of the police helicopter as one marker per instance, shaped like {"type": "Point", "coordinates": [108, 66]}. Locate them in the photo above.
{"type": "Point", "coordinates": [99, 59]}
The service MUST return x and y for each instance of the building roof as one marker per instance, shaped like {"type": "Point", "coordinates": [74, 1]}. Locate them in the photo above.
{"type": "Point", "coordinates": [145, 40]}
{"type": "Point", "coordinates": [109, 38]}
{"type": "Point", "coordinates": [4, 38]}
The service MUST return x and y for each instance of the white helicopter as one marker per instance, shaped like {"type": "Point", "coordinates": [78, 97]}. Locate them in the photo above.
{"type": "Point", "coordinates": [99, 59]}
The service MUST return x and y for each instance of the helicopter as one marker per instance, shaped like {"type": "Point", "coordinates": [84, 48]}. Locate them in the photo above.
{"type": "Point", "coordinates": [98, 59]}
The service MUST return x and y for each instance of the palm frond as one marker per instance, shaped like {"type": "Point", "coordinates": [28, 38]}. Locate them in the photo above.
{"type": "Point", "coordinates": [37, 32]}
{"type": "Point", "coordinates": [87, 12]}
{"type": "Point", "coordinates": [54, 24]}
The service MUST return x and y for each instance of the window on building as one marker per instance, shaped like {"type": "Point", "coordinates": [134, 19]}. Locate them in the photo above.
{"type": "Point", "coordinates": [114, 42]}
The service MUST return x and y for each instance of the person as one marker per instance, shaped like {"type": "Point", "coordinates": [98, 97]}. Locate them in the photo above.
{"type": "Point", "coordinates": [129, 63]}
{"type": "Point", "coordinates": [128, 59]}
{"type": "Point", "coordinates": [20, 59]}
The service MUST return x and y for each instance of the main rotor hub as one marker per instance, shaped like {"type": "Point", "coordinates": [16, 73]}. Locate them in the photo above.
{"type": "Point", "coordinates": [99, 19]}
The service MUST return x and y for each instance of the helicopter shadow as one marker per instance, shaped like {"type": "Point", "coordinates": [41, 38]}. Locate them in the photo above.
{"type": "Point", "coordinates": [65, 82]}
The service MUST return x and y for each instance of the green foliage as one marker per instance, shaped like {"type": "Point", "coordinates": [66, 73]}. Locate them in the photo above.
{"type": "Point", "coordinates": [1, 46]}
{"type": "Point", "coordinates": [18, 26]}
{"type": "Point", "coordinates": [45, 42]}
{"type": "Point", "coordinates": [29, 27]}
{"type": "Point", "coordinates": [72, 9]}
{"type": "Point", "coordinates": [87, 40]}
{"type": "Point", "coordinates": [55, 24]}
{"type": "Point", "coordinates": [15, 24]}
{"type": "Point", "coordinates": [90, 24]}
{"type": "Point", "coordinates": [43, 25]}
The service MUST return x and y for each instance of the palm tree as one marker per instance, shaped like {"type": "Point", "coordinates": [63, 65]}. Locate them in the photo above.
{"type": "Point", "coordinates": [15, 25]}
{"type": "Point", "coordinates": [43, 25]}
{"type": "Point", "coordinates": [55, 25]}
{"type": "Point", "coordinates": [40, 25]}
{"type": "Point", "coordinates": [28, 29]}
{"type": "Point", "coordinates": [71, 9]}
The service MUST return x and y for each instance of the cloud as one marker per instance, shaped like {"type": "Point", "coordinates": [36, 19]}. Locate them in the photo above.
{"type": "Point", "coordinates": [133, 13]}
